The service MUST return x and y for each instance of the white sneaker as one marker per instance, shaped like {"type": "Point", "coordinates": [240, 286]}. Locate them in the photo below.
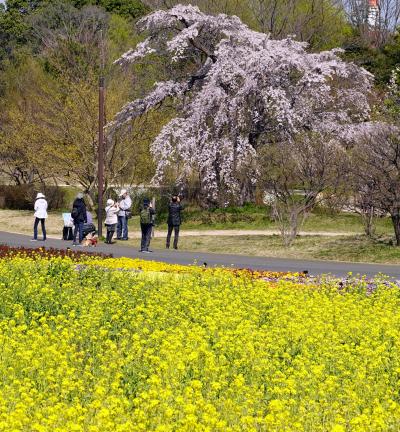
{"type": "Point", "coordinates": [33, 239]}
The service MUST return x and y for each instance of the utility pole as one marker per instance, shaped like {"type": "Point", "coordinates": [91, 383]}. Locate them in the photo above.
{"type": "Point", "coordinates": [153, 204]}
{"type": "Point", "coordinates": [100, 151]}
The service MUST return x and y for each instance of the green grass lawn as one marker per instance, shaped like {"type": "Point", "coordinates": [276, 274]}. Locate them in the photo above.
{"type": "Point", "coordinates": [253, 217]}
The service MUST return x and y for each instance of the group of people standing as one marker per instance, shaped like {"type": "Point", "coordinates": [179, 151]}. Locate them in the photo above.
{"type": "Point", "coordinates": [117, 215]}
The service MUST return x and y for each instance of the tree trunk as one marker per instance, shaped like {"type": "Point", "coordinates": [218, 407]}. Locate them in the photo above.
{"type": "Point", "coordinates": [91, 197]}
{"type": "Point", "coordinates": [283, 224]}
{"type": "Point", "coordinates": [396, 226]}
{"type": "Point", "coordinates": [369, 223]}
{"type": "Point", "coordinates": [293, 226]}
{"type": "Point", "coordinates": [247, 192]}
{"type": "Point", "coordinates": [288, 224]}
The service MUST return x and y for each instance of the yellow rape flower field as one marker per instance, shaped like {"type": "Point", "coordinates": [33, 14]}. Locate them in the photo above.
{"type": "Point", "coordinates": [126, 345]}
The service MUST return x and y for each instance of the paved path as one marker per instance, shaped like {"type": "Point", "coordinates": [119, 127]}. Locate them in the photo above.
{"type": "Point", "coordinates": [212, 259]}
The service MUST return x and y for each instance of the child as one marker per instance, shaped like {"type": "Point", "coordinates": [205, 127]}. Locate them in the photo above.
{"type": "Point", "coordinates": [112, 210]}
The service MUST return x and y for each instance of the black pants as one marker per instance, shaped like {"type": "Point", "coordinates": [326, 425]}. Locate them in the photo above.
{"type": "Point", "coordinates": [176, 235]}
{"type": "Point", "coordinates": [35, 228]}
{"type": "Point", "coordinates": [146, 236]}
{"type": "Point", "coordinates": [68, 233]}
{"type": "Point", "coordinates": [110, 232]}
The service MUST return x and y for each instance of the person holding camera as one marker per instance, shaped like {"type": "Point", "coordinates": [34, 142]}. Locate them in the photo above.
{"type": "Point", "coordinates": [147, 215]}
{"type": "Point", "coordinates": [125, 204]}
{"type": "Point", "coordinates": [111, 221]}
{"type": "Point", "coordinates": [174, 220]}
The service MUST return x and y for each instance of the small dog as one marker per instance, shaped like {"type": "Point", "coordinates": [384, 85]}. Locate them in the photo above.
{"type": "Point", "coordinates": [90, 240]}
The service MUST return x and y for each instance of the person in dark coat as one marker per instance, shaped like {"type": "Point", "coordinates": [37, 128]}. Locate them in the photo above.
{"type": "Point", "coordinates": [146, 224]}
{"type": "Point", "coordinates": [79, 217]}
{"type": "Point", "coordinates": [174, 220]}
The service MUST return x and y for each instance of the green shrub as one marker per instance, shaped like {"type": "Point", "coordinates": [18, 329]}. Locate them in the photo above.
{"type": "Point", "coordinates": [22, 197]}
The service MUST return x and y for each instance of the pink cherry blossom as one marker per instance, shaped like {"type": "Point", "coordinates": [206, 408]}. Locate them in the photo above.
{"type": "Point", "coordinates": [247, 90]}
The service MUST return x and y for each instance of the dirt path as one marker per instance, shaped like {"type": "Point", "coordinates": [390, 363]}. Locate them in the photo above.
{"type": "Point", "coordinates": [230, 233]}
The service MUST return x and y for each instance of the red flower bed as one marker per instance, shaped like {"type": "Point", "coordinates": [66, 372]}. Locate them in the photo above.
{"type": "Point", "coordinates": [42, 252]}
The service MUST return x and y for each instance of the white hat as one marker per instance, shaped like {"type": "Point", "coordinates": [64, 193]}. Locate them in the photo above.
{"type": "Point", "coordinates": [110, 202]}
{"type": "Point", "coordinates": [40, 195]}
{"type": "Point", "coordinates": [123, 191]}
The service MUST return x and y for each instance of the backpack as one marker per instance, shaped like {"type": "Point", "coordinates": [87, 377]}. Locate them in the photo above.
{"type": "Point", "coordinates": [74, 213]}
{"type": "Point", "coordinates": [145, 216]}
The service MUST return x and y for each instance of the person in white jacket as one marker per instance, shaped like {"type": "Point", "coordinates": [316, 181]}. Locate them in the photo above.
{"type": "Point", "coordinates": [112, 210]}
{"type": "Point", "coordinates": [125, 204]}
{"type": "Point", "coordinates": [40, 216]}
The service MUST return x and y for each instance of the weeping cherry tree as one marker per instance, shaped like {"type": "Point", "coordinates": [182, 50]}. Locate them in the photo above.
{"type": "Point", "coordinates": [238, 90]}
